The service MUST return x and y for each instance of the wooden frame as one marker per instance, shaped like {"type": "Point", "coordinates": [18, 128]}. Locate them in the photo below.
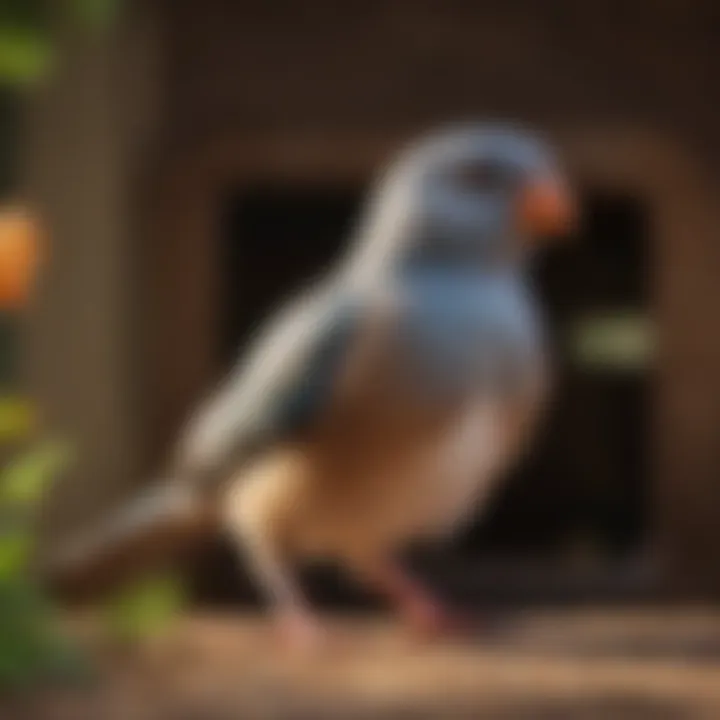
{"type": "Point", "coordinates": [182, 298]}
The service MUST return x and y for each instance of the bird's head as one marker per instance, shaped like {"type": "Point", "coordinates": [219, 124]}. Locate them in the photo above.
{"type": "Point", "coordinates": [471, 196]}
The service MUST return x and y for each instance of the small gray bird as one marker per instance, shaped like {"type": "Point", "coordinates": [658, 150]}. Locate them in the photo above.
{"type": "Point", "coordinates": [382, 405]}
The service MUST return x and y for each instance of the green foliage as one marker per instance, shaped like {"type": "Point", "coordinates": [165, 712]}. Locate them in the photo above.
{"type": "Point", "coordinates": [15, 549]}
{"type": "Point", "coordinates": [26, 35]}
{"type": "Point", "coordinates": [16, 419]}
{"type": "Point", "coordinates": [26, 480]}
{"type": "Point", "coordinates": [95, 14]}
{"type": "Point", "coordinates": [22, 486]}
{"type": "Point", "coordinates": [30, 646]}
{"type": "Point", "coordinates": [25, 55]}
{"type": "Point", "coordinates": [622, 342]}
{"type": "Point", "coordinates": [144, 609]}
{"type": "Point", "coordinates": [25, 46]}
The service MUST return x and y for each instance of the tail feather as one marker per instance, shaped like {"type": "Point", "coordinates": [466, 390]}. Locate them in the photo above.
{"type": "Point", "coordinates": [157, 526]}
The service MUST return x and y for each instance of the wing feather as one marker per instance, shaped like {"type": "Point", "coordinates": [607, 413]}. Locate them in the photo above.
{"type": "Point", "coordinates": [279, 388]}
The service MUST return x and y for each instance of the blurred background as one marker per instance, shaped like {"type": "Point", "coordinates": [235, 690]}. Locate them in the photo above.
{"type": "Point", "coordinates": [188, 164]}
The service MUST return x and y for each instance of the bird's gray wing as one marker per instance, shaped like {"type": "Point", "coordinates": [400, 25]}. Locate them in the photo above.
{"type": "Point", "coordinates": [278, 389]}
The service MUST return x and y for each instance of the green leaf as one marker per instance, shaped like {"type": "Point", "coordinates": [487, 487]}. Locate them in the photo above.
{"type": "Point", "coordinates": [31, 647]}
{"type": "Point", "coordinates": [26, 480]}
{"type": "Point", "coordinates": [17, 418]}
{"type": "Point", "coordinates": [144, 608]}
{"type": "Point", "coordinates": [24, 611]}
{"type": "Point", "coordinates": [23, 628]}
{"type": "Point", "coordinates": [95, 14]}
{"type": "Point", "coordinates": [25, 55]}
{"type": "Point", "coordinates": [621, 341]}
{"type": "Point", "coordinates": [15, 552]}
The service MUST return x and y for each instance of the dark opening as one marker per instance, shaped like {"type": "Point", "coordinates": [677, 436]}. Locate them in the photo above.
{"type": "Point", "coordinates": [584, 486]}
{"type": "Point", "coordinates": [582, 492]}
{"type": "Point", "coordinates": [276, 239]}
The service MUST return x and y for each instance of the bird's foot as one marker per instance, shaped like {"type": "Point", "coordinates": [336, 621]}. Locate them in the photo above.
{"type": "Point", "coordinates": [429, 619]}
{"type": "Point", "coordinates": [422, 612]}
{"type": "Point", "coordinates": [299, 631]}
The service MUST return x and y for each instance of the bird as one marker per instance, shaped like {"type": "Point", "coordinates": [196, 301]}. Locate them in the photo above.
{"type": "Point", "coordinates": [385, 402]}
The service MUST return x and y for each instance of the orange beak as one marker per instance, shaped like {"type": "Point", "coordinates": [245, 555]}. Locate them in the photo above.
{"type": "Point", "coordinates": [547, 208]}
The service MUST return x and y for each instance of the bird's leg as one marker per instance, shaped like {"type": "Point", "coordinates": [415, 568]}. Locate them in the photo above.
{"type": "Point", "coordinates": [258, 511]}
{"type": "Point", "coordinates": [296, 623]}
{"type": "Point", "coordinates": [423, 612]}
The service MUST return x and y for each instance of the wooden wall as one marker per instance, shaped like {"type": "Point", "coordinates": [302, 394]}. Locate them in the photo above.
{"type": "Point", "coordinates": [328, 89]}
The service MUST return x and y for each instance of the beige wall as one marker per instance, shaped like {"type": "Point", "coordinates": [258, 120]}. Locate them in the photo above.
{"type": "Point", "coordinates": [88, 129]}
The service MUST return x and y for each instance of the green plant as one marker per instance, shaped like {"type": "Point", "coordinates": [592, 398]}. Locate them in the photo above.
{"type": "Point", "coordinates": [144, 609]}
{"type": "Point", "coordinates": [27, 46]}
{"type": "Point", "coordinates": [31, 648]}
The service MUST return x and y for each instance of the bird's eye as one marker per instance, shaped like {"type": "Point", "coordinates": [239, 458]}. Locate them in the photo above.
{"type": "Point", "coordinates": [484, 177]}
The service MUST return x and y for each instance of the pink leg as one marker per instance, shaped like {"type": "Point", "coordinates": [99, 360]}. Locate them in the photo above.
{"type": "Point", "coordinates": [298, 629]}
{"type": "Point", "coordinates": [424, 613]}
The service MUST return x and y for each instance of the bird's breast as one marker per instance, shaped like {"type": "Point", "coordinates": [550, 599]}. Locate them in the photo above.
{"type": "Point", "coordinates": [418, 431]}
{"type": "Point", "coordinates": [394, 482]}
{"type": "Point", "coordinates": [457, 336]}
{"type": "Point", "coordinates": [463, 465]}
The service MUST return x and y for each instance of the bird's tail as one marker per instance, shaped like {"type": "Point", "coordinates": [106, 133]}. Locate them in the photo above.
{"type": "Point", "coordinates": [163, 521]}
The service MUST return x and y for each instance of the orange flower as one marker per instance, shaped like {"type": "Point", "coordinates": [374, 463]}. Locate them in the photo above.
{"type": "Point", "coordinates": [19, 241]}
